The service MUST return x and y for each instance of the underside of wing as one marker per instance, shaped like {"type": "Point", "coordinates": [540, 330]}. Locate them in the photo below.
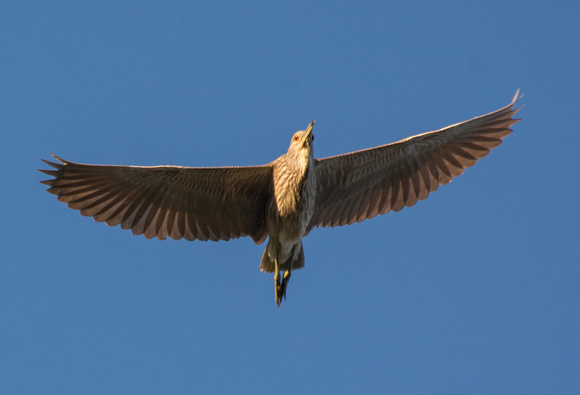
{"type": "Point", "coordinates": [179, 202]}
{"type": "Point", "coordinates": [360, 185]}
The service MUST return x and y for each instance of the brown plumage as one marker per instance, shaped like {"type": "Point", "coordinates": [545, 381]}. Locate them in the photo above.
{"type": "Point", "coordinates": [282, 200]}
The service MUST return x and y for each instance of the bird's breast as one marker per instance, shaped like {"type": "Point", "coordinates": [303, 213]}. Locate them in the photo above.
{"type": "Point", "coordinates": [293, 203]}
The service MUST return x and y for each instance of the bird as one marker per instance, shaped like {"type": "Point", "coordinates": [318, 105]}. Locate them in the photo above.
{"type": "Point", "coordinates": [281, 201]}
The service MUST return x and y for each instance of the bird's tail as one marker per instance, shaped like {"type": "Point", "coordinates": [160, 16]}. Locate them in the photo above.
{"type": "Point", "coordinates": [267, 264]}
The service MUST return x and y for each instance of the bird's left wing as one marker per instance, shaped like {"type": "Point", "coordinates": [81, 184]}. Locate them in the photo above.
{"type": "Point", "coordinates": [359, 185]}
{"type": "Point", "coordinates": [179, 202]}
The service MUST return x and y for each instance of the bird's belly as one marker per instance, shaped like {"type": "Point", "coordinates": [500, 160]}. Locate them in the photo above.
{"type": "Point", "coordinates": [294, 224]}
{"type": "Point", "coordinates": [288, 230]}
{"type": "Point", "coordinates": [291, 232]}
{"type": "Point", "coordinates": [289, 236]}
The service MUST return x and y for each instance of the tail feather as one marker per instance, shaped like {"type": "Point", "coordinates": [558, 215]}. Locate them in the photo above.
{"type": "Point", "coordinates": [267, 263]}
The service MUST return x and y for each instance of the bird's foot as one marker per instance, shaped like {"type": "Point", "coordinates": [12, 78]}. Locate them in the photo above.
{"type": "Point", "coordinates": [277, 287]}
{"type": "Point", "coordinates": [281, 286]}
{"type": "Point", "coordinates": [279, 294]}
{"type": "Point", "coordinates": [284, 285]}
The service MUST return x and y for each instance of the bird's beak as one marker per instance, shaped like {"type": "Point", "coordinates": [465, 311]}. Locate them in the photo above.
{"type": "Point", "coordinates": [308, 133]}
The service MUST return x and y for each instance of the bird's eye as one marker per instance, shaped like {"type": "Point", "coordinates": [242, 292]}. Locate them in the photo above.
{"type": "Point", "coordinates": [296, 137]}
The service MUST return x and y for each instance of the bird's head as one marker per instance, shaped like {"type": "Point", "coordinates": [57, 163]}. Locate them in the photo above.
{"type": "Point", "coordinates": [301, 143]}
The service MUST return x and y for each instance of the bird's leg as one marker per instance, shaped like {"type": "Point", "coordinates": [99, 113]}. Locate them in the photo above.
{"type": "Point", "coordinates": [285, 281]}
{"type": "Point", "coordinates": [286, 277]}
{"type": "Point", "coordinates": [277, 283]}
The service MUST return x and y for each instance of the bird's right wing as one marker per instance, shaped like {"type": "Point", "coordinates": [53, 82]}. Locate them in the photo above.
{"type": "Point", "coordinates": [179, 202]}
{"type": "Point", "coordinates": [359, 185]}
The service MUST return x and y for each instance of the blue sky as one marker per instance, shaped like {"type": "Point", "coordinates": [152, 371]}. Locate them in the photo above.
{"type": "Point", "coordinates": [475, 290]}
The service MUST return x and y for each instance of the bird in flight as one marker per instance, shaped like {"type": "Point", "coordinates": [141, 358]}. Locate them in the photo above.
{"type": "Point", "coordinates": [282, 200]}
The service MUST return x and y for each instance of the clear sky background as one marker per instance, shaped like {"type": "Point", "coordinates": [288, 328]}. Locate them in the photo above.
{"type": "Point", "coordinates": [475, 290]}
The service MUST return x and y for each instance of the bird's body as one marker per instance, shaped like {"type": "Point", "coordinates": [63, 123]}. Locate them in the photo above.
{"type": "Point", "coordinates": [282, 200]}
{"type": "Point", "coordinates": [290, 209]}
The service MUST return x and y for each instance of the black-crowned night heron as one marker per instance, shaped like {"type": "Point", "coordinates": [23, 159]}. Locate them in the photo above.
{"type": "Point", "coordinates": [282, 200]}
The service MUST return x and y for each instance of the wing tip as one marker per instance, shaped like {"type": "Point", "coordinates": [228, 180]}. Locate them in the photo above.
{"type": "Point", "coordinates": [517, 96]}
{"type": "Point", "coordinates": [54, 164]}
{"type": "Point", "coordinates": [52, 173]}
{"type": "Point", "coordinates": [64, 162]}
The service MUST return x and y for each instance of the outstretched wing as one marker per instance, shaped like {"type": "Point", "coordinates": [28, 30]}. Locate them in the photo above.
{"type": "Point", "coordinates": [359, 185]}
{"type": "Point", "coordinates": [179, 202]}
